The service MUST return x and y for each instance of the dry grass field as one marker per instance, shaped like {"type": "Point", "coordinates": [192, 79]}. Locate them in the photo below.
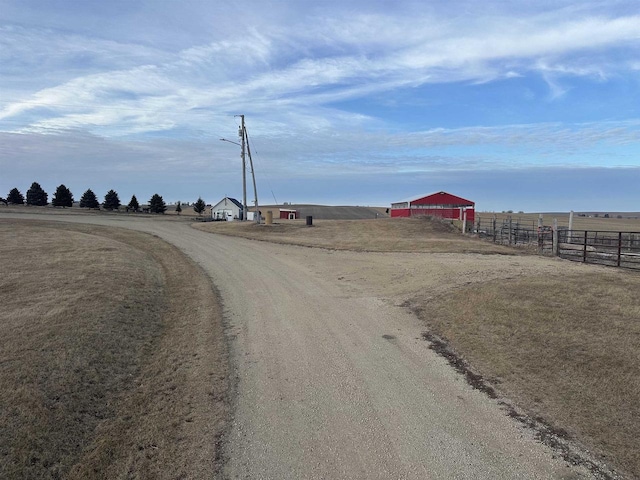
{"type": "Point", "coordinates": [563, 347]}
{"type": "Point", "coordinates": [379, 235]}
{"type": "Point", "coordinates": [112, 361]}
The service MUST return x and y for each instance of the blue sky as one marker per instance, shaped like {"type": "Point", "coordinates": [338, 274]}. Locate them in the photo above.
{"type": "Point", "coordinates": [530, 106]}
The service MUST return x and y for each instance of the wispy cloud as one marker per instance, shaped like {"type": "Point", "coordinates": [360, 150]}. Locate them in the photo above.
{"type": "Point", "coordinates": [353, 57]}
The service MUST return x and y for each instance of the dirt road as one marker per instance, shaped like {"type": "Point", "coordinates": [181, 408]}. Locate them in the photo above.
{"type": "Point", "coordinates": [334, 380]}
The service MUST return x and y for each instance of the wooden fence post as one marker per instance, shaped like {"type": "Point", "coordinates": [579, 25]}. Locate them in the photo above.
{"type": "Point", "coordinates": [570, 226]}
{"type": "Point", "coordinates": [540, 235]}
{"type": "Point", "coordinates": [555, 237]}
{"type": "Point", "coordinates": [494, 229]}
{"type": "Point", "coordinates": [510, 229]}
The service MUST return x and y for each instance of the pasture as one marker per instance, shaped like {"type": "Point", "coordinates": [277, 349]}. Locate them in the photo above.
{"type": "Point", "coordinates": [106, 370]}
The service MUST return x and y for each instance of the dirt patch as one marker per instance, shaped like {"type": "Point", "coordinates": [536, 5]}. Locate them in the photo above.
{"type": "Point", "coordinates": [476, 381]}
{"type": "Point", "coordinates": [113, 361]}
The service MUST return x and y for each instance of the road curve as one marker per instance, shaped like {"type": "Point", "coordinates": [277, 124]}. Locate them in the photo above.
{"type": "Point", "coordinates": [335, 383]}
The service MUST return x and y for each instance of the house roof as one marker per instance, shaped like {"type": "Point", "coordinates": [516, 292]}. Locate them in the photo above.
{"type": "Point", "coordinates": [437, 198]}
{"type": "Point", "coordinates": [232, 200]}
{"type": "Point", "coordinates": [236, 202]}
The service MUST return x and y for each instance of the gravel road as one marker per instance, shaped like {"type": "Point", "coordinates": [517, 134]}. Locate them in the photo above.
{"type": "Point", "coordinates": [333, 381]}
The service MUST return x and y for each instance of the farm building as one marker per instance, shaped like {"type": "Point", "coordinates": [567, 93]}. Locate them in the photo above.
{"type": "Point", "coordinates": [227, 209]}
{"type": "Point", "coordinates": [441, 204]}
{"type": "Point", "coordinates": [288, 214]}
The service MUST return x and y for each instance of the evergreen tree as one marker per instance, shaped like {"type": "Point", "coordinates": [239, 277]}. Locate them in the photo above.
{"type": "Point", "coordinates": [89, 200]}
{"type": "Point", "coordinates": [156, 204]}
{"type": "Point", "coordinates": [15, 197]}
{"type": "Point", "coordinates": [133, 204]}
{"type": "Point", "coordinates": [111, 201]}
{"type": "Point", "coordinates": [178, 208]}
{"type": "Point", "coordinates": [37, 196]}
{"type": "Point", "coordinates": [63, 197]}
{"type": "Point", "coordinates": [199, 206]}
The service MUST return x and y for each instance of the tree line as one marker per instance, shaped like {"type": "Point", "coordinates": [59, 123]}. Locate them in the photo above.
{"type": "Point", "coordinates": [64, 198]}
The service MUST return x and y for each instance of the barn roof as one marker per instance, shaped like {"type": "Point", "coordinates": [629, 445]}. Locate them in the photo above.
{"type": "Point", "coordinates": [438, 198]}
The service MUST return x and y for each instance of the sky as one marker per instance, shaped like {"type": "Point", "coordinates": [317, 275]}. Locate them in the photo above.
{"type": "Point", "coordinates": [520, 105]}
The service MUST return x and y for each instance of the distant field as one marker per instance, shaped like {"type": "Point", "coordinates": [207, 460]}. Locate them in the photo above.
{"type": "Point", "coordinates": [629, 223]}
{"type": "Point", "coordinates": [327, 212]}
{"type": "Point", "coordinates": [100, 374]}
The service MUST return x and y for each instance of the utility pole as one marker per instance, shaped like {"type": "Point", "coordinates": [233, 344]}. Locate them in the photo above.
{"type": "Point", "coordinates": [253, 175]}
{"type": "Point", "coordinates": [244, 148]}
{"type": "Point", "coordinates": [241, 133]}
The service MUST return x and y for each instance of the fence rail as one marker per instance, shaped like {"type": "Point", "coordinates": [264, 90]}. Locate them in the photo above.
{"type": "Point", "coordinates": [618, 249]}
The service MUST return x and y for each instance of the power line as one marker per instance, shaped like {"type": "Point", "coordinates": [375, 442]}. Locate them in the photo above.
{"type": "Point", "coordinates": [265, 177]}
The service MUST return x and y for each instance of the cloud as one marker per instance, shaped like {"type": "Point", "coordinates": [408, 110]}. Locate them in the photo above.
{"type": "Point", "coordinates": [262, 71]}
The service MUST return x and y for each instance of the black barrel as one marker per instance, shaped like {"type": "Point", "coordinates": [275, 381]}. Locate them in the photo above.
{"type": "Point", "coordinates": [309, 220]}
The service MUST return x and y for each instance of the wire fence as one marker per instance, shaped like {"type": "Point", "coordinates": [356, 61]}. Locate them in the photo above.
{"type": "Point", "coordinates": [618, 249]}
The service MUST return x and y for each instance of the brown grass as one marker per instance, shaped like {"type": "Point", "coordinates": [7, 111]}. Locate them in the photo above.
{"type": "Point", "coordinates": [565, 348]}
{"type": "Point", "coordinates": [380, 235]}
{"type": "Point", "coordinates": [112, 362]}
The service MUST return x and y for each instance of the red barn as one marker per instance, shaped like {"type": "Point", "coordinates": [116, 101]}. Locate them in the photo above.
{"type": "Point", "coordinates": [441, 204]}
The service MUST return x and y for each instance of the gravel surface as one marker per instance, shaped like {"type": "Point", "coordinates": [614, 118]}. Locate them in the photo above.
{"type": "Point", "coordinates": [333, 379]}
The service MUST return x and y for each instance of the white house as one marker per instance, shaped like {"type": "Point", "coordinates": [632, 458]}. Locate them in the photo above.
{"type": "Point", "coordinates": [227, 209]}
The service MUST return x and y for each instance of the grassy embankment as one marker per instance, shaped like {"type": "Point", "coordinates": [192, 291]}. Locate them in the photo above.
{"type": "Point", "coordinates": [112, 361]}
{"type": "Point", "coordinates": [380, 235]}
{"type": "Point", "coordinates": [565, 348]}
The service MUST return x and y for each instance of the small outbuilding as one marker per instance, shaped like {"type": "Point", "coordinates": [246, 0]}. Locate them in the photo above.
{"type": "Point", "coordinates": [441, 204]}
{"type": "Point", "coordinates": [227, 209]}
{"type": "Point", "coordinates": [288, 214]}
